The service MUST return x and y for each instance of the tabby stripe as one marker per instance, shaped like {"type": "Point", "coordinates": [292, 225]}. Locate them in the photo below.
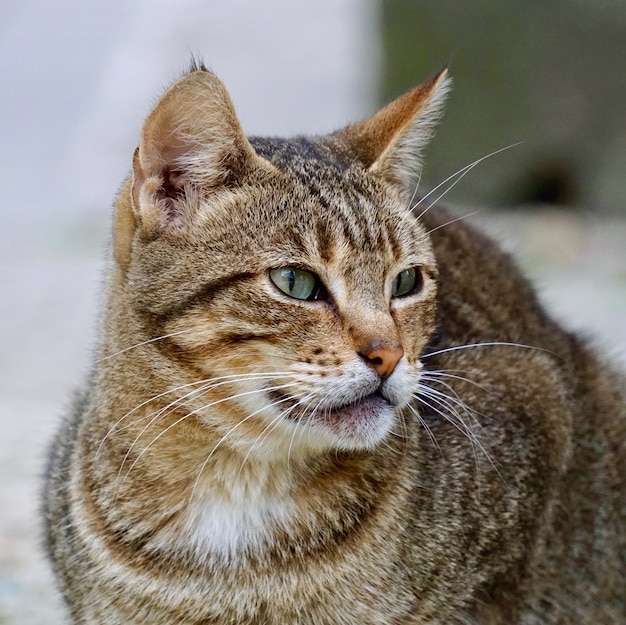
{"type": "Point", "coordinates": [229, 340]}
{"type": "Point", "coordinates": [325, 243]}
{"type": "Point", "coordinates": [203, 294]}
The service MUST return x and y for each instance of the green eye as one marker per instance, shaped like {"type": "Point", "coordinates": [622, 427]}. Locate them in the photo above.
{"type": "Point", "coordinates": [406, 282]}
{"type": "Point", "coordinates": [296, 282]}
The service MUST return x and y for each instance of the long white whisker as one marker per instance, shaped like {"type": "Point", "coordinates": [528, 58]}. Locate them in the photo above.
{"type": "Point", "coordinates": [446, 402]}
{"type": "Point", "coordinates": [205, 384]}
{"type": "Point", "coordinates": [487, 344]}
{"type": "Point", "coordinates": [183, 418]}
{"type": "Point", "coordinates": [452, 221]}
{"type": "Point", "coordinates": [307, 418]}
{"type": "Point", "coordinates": [455, 400]}
{"type": "Point", "coordinates": [404, 430]}
{"type": "Point", "coordinates": [449, 387]}
{"type": "Point", "coordinates": [471, 412]}
{"type": "Point", "coordinates": [461, 173]}
{"type": "Point", "coordinates": [426, 427]}
{"type": "Point", "coordinates": [146, 402]}
{"type": "Point", "coordinates": [452, 418]}
{"type": "Point", "coordinates": [435, 376]}
{"type": "Point", "coordinates": [460, 426]}
{"type": "Point", "coordinates": [157, 338]}
{"type": "Point", "coordinates": [417, 184]}
{"type": "Point", "coordinates": [451, 402]}
{"type": "Point", "coordinates": [442, 400]}
{"type": "Point", "coordinates": [225, 436]}
{"type": "Point", "coordinates": [273, 425]}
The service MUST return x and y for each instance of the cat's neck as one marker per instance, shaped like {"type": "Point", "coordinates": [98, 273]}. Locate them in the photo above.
{"type": "Point", "coordinates": [209, 499]}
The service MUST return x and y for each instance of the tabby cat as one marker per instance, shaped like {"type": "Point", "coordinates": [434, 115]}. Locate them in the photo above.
{"type": "Point", "coordinates": [318, 400]}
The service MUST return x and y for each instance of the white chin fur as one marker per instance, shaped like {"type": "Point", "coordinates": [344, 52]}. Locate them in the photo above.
{"type": "Point", "coordinates": [288, 435]}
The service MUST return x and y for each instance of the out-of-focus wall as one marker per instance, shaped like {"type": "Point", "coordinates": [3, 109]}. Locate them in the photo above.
{"type": "Point", "coordinates": [549, 74]}
{"type": "Point", "coordinates": [78, 78]}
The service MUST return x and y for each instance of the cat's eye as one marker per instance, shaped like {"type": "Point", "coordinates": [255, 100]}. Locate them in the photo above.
{"type": "Point", "coordinates": [407, 282]}
{"type": "Point", "coordinates": [297, 283]}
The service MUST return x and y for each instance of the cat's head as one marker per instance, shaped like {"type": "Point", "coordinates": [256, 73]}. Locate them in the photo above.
{"type": "Point", "coordinates": [291, 275]}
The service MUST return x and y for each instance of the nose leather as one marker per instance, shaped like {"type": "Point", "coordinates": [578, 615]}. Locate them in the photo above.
{"type": "Point", "coordinates": [384, 358]}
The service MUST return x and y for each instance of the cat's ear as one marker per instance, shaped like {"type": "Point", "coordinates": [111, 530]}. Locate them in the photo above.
{"type": "Point", "coordinates": [191, 145]}
{"type": "Point", "coordinates": [390, 142]}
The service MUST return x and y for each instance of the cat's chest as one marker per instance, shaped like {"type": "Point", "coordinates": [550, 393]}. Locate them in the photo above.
{"type": "Point", "coordinates": [227, 527]}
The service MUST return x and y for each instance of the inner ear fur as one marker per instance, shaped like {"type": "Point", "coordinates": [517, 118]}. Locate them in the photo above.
{"type": "Point", "coordinates": [390, 143]}
{"type": "Point", "coordinates": [191, 139]}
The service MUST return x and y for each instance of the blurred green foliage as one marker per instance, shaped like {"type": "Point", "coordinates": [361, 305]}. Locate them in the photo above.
{"type": "Point", "coordinates": [548, 73]}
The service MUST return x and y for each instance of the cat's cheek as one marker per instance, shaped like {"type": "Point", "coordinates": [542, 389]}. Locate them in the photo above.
{"type": "Point", "coordinates": [401, 385]}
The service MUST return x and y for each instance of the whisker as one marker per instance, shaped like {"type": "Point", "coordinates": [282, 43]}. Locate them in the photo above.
{"type": "Point", "coordinates": [460, 425]}
{"type": "Point", "coordinates": [224, 437]}
{"type": "Point", "coordinates": [267, 430]}
{"type": "Point", "coordinates": [488, 344]}
{"type": "Point", "coordinates": [141, 405]}
{"type": "Point", "coordinates": [472, 413]}
{"type": "Point", "coordinates": [205, 385]}
{"type": "Point", "coordinates": [215, 448]}
{"type": "Point", "coordinates": [273, 425]}
{"type": "Point", "coordinates": [452, 221]}
{"type": "Point", "coordinates": [461, 173]}
{"type": "Point", "coordinates": [183, 418]}
{"type": "Point", "coordinates": [454, 400]}
{"type": "Point", "coordinates": [446, 402]}
{"type": "Point", "coordinates": [451, 402]}
{"type": "Point", "coordinates": [455, 419]}
{"type": "Point", "coordinates": [426, 427]}
{"type": "Point", "coordinates": [403, 435]}
{"type": "Point", "coordinates": [302, 401]}
{"type": "Point", "coordinates": [307, 418]}
{"type": "Point", "coordinates": [417, 184]}
{"type": "Point", "coordinates": [437, 379]}
{"type": "Point", "coordinates": [157, 338]}
{"type": "Point", "coordinates": [434, 375]}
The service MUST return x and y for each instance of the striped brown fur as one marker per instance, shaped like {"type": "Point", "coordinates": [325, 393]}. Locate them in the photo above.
{"type": "Point", "coordinates": [242, 456]}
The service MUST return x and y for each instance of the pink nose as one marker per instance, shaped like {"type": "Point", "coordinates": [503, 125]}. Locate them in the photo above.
{"type": "Point", "coordinates": [384, 359]}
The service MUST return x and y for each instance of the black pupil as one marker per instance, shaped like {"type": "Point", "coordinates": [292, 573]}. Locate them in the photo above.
{"type": "Point", "coordinates": [399, 281]}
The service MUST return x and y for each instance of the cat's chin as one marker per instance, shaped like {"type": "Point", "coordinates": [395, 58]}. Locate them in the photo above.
{"type": "Point", "coordinates": [355, 414]}
{"type": "Point", "coordinates": [361, 424]}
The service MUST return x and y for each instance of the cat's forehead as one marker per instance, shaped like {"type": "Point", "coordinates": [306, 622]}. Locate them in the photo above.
{"type": "Point", "coordinates": [335, 203]}
{"type": "Point", "coordinates": [300, 152]}
{"type": "Point", "coordinates": [313, 210]}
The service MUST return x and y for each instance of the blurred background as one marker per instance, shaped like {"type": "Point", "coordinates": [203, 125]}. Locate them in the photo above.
{"type": "Point", "coordinates": [77, 79]}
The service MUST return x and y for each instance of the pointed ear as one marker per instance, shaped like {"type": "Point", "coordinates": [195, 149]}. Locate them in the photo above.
{"type": "Point", "coordinates": [191, 144]}
{"type": "Point", "coordinates": [390, 143]}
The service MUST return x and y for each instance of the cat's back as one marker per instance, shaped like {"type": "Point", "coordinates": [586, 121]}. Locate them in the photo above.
{"type": "Point", "coordinates": [581, 563]}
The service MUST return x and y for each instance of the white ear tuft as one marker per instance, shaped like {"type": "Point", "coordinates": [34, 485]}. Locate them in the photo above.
{"type": "Point", "coordinates": [403, 155]}
{"type": "Point", "coordinates": [391, 142]}
{"type": "Point", "coordinates": [191, 144]}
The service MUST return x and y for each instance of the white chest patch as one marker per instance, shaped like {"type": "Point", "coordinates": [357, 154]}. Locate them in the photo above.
{"type": "Point", "coordinates": [243, 524]}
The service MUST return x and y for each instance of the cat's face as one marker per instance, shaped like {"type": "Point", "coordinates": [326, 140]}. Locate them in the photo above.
{"type": "Point", "coordinates": [298, 295]}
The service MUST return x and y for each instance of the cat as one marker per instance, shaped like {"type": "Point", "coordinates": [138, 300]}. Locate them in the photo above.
{"type": "Point", "coordinates": [320, 400]}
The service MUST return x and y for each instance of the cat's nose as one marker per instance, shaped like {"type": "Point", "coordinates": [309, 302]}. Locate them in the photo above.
{"type": "Point", "coordinates": [384, 358]}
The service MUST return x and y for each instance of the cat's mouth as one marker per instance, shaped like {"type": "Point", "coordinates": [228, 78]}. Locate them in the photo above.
{"type": "Point", "coordinates": [366, 409]}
